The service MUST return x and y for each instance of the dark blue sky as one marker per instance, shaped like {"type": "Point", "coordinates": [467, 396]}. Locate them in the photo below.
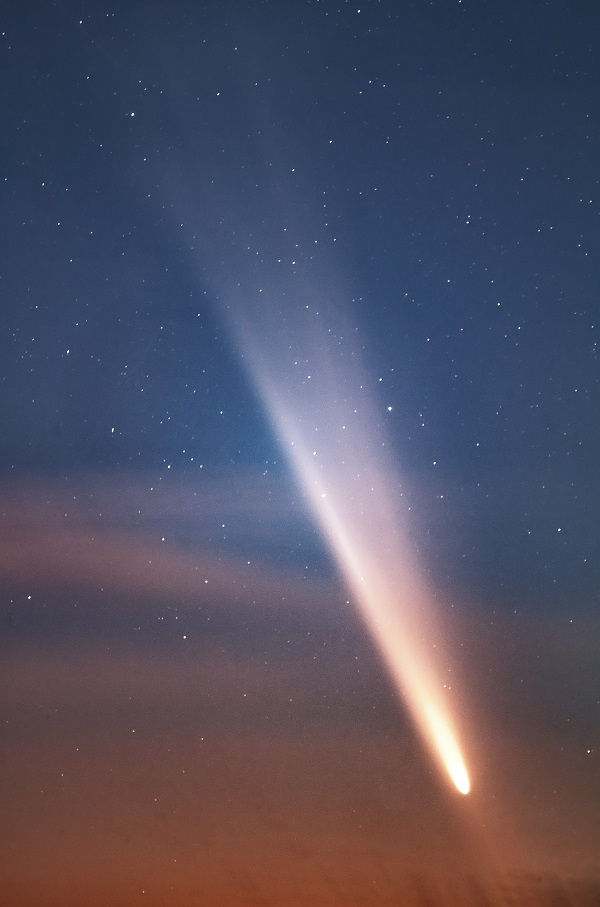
{"type": "Point", "coordinates": [424, 173]}
{"type": "Point", "coordinates": [432, 166]}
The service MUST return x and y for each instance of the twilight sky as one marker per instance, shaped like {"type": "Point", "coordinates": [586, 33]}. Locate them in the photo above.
{"type": "Point", "coordinates": [248, 249]}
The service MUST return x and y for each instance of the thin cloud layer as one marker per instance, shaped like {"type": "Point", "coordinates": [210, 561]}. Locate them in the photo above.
{"type": "Point", "coordinates": [237, 741]}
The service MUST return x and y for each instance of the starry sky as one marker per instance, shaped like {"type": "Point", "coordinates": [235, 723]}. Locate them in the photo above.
{"type": "Point", "coordinates": [398, 202]}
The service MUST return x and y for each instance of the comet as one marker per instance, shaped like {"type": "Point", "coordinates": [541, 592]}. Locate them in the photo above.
{"type": "Point", "coordinates": [308, 374]}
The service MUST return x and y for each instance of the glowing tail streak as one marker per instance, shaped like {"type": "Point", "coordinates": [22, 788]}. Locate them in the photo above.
{"type": "Point", "coordinates": [335, 450]}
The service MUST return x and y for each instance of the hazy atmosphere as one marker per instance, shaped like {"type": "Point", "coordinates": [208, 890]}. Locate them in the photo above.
{"type": "Point", "coordinates": [299, 563]}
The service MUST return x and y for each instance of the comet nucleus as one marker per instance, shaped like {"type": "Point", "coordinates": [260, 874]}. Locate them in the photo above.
{"type": "Point", "coordinates": [316, 395]}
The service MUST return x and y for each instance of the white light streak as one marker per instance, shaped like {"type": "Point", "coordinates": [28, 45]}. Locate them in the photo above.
{"type": "Point", "coordinates": [327, 429]}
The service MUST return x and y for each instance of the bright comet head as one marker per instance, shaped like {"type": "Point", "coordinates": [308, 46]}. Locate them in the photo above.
{"type": "Point", "coordinates": [313, 388]}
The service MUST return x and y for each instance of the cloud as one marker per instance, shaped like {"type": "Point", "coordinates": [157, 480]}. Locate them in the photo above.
{"type": "Point", "coordinates": [249, 719]}
{"type": "Point", "coordinates": [137, 536]}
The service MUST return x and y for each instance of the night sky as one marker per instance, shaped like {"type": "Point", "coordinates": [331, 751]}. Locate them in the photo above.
{"type": "Point", "coordinates": [226, 229]}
